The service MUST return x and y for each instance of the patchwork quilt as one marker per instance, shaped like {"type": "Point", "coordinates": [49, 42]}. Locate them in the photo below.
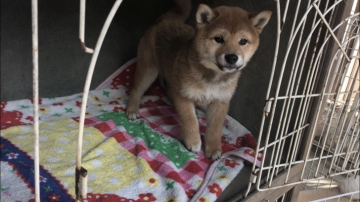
{"type": "Point", "coordinates": [141, 160]}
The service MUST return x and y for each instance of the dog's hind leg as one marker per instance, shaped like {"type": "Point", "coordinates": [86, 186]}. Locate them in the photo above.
{"type": "Point", "coordinates": [145, 75]}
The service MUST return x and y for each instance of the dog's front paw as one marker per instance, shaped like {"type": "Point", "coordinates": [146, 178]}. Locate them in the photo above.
{"type": "Point", "coordinates": [132, 114]}
{"type": "Point", "coordinates": [213, 154]}
{"type": "Point", "coordinates": [195, 148]}
{"type": "Point", "coordinates": [193, 145]}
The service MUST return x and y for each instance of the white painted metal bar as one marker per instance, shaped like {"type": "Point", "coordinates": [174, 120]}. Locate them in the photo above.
{"type": "Point", "coordinates": [285, 13]}
{"type": "Point", "coordinates": [351, 145]}
{"type": "Point", "coordinates": [89, 77]}
{"type": "Point", "coordinates": [283, 198]}
{"type": "Point", "coordinates": [353, 109]}
{"type": "Point", "coordinates": [295, 18]}
{"type": "Point", "coordinates": [35, 58]}
{"type": "Point", "coordinates": [331, 115]}
{"type": "Point", "coordinates": [344, 120]}
{"type": "Point", "coordinates": [292, 78]}
{"type": "Point", "coordinates": [337, 196]}
{"type": "Point", "coordinates": [353, 138]}
{"type": "Point", "coordinates": [308, 180]}
{"type": "Point", "coordinates": [323, 94]}
{"type": "Point", "coordinates": [312, 87]}
{"type": "Point", "coordinates": [284, 137]}
{"type": "Point", "coordinates": [291, 83]}
{"type": "Point", "coordinates": [306, 106]}
{"type": "Point", "coordinates": [278, 32]}
{"type": "Point", "coordinates": [316, 61]}
{"type": "Point", "coordinates": [82, 27]}
{"type": "Point", "coordinates": [308, 78]}
{"type": "Point", "coordinates": [311, 160]}
{"type": "Point", "coordinates": [327, 130]}
{"type": "Point", "coordinates": [310, 95]}
{"type": "Point", "coordinates": [331, 32]}
{"type": "Point", "coordinates": [276, 95]}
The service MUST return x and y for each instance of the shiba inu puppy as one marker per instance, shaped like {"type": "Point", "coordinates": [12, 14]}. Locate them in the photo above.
{"type": "Point", "coordinates": [201, 66]}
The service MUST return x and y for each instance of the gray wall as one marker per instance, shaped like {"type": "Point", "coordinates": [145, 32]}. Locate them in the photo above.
{"type": "Point", "coordinates": [63, 65]}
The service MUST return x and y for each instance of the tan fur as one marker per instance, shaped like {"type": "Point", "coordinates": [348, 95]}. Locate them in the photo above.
{"type": "Point", "coordinates": [194, 65]}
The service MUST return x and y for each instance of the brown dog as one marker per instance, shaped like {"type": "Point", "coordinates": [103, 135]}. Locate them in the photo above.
{"type": "Point", "coordinates": [200, 66]}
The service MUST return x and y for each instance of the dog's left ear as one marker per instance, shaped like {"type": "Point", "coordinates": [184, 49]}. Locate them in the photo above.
{"type": "Point", "coordinates": [259, 20]}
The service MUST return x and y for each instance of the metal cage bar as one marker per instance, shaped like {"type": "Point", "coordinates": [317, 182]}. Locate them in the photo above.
{"type": "Point", "coordinates": [34, 8]}
{"type": "Point", "coordinates": [35, 59]}
{"type": "Point", "coordinates": [82, 27]}
{"type": "Point", "coordinates": [89, 78]}
{"type": "Point", "coordinates": [348, 195]}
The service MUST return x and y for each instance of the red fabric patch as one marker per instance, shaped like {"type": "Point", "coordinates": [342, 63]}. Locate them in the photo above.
{"type": "Point", "coordinates": [227, 147]}
{"type": "Point", "coordinates": [231, 163]}
{"type": "Point", "coordinates": [86, 121]}
{"type": "Point", "coordinates": [148, 197]}
{"type": "Point", "coordinates": [105, 198]}
{"type": "Point", "coordinates": [171, 120]}
{"type": "Point", "coordinates": [10, 118]}
{"type": "Point", "coordinates": [190, 193]}
{"type": "Point", "coordinates": [118, 109]}
{"type": "Point", "coordinates": [58, 104]}
{"type": "Point", "coordinates": [215, 188]}
{"type": "Point", "coordinates": [102, 127]}
{"type": "Point", "coordinates": [155, 165]}
{"type": "Point", "coordinates": [137, 149]}
{"type": "Point", "coordinates": [250, 141]}
{"type": "Point", "coordinates": [193, 167]}
{"type": "Point", "coordinates": [175, 176]}
{"type": "Point", "coordinates": [32, 101]}
{"type": "Point", "coordinates": [119, 137]}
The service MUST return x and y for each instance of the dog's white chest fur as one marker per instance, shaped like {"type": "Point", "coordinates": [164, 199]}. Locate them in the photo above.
{"type": "Point", "coordinates": [208, 93]}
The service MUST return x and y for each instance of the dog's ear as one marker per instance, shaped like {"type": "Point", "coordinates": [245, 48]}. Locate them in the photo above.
{"type": "Point", "coordinates": [204, 15]}
{"type": "Point", "coordinates": [259, 20]}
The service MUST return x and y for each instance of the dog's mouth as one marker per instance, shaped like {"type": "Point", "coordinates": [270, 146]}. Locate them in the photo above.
{"type": "Point", "coordinates": [229, 68]}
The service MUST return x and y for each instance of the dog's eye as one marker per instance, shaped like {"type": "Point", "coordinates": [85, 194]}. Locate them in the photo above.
{"type": "Point", "coordinates": [219, 39]}
{"type": "Point", "coordinates": [243, 41]}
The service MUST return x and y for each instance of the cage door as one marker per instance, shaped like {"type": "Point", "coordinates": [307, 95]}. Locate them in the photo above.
{"type": "Point", "coordinates": [315, 99]}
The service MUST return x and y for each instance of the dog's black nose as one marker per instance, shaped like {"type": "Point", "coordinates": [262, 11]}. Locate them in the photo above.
{"type": "Point", "coordinates": [231, 58]}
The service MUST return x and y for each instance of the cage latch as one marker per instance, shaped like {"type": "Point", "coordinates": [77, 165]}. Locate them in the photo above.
{"type": "Point", "coordinates": [267, 107]}
{"type": "Point", "coordinates": [253, 177]}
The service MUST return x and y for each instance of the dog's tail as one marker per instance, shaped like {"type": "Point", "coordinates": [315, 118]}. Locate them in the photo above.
{"type": "Point", "coordinates": [180, 12]}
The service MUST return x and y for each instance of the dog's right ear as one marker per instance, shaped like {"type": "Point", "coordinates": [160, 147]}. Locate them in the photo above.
{"type": "Point", "coordinates": [204, 15]}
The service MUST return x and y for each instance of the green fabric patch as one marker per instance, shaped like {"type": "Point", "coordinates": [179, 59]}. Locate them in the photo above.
{"type": "Point", "coordinates": [164, 144]}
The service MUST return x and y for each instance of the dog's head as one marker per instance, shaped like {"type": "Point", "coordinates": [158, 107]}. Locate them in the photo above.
{"type": "Point", "coordinates": [227, 37]}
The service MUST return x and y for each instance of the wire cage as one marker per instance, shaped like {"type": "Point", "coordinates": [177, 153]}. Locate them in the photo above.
{"type": "Point", "coordinates": [311, 119]}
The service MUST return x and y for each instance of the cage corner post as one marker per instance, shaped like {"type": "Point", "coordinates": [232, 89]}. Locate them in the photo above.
{"type": "Point", "coordinates": [81, 173]}
{"type": "Point", "coordinates": [35, 59]}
